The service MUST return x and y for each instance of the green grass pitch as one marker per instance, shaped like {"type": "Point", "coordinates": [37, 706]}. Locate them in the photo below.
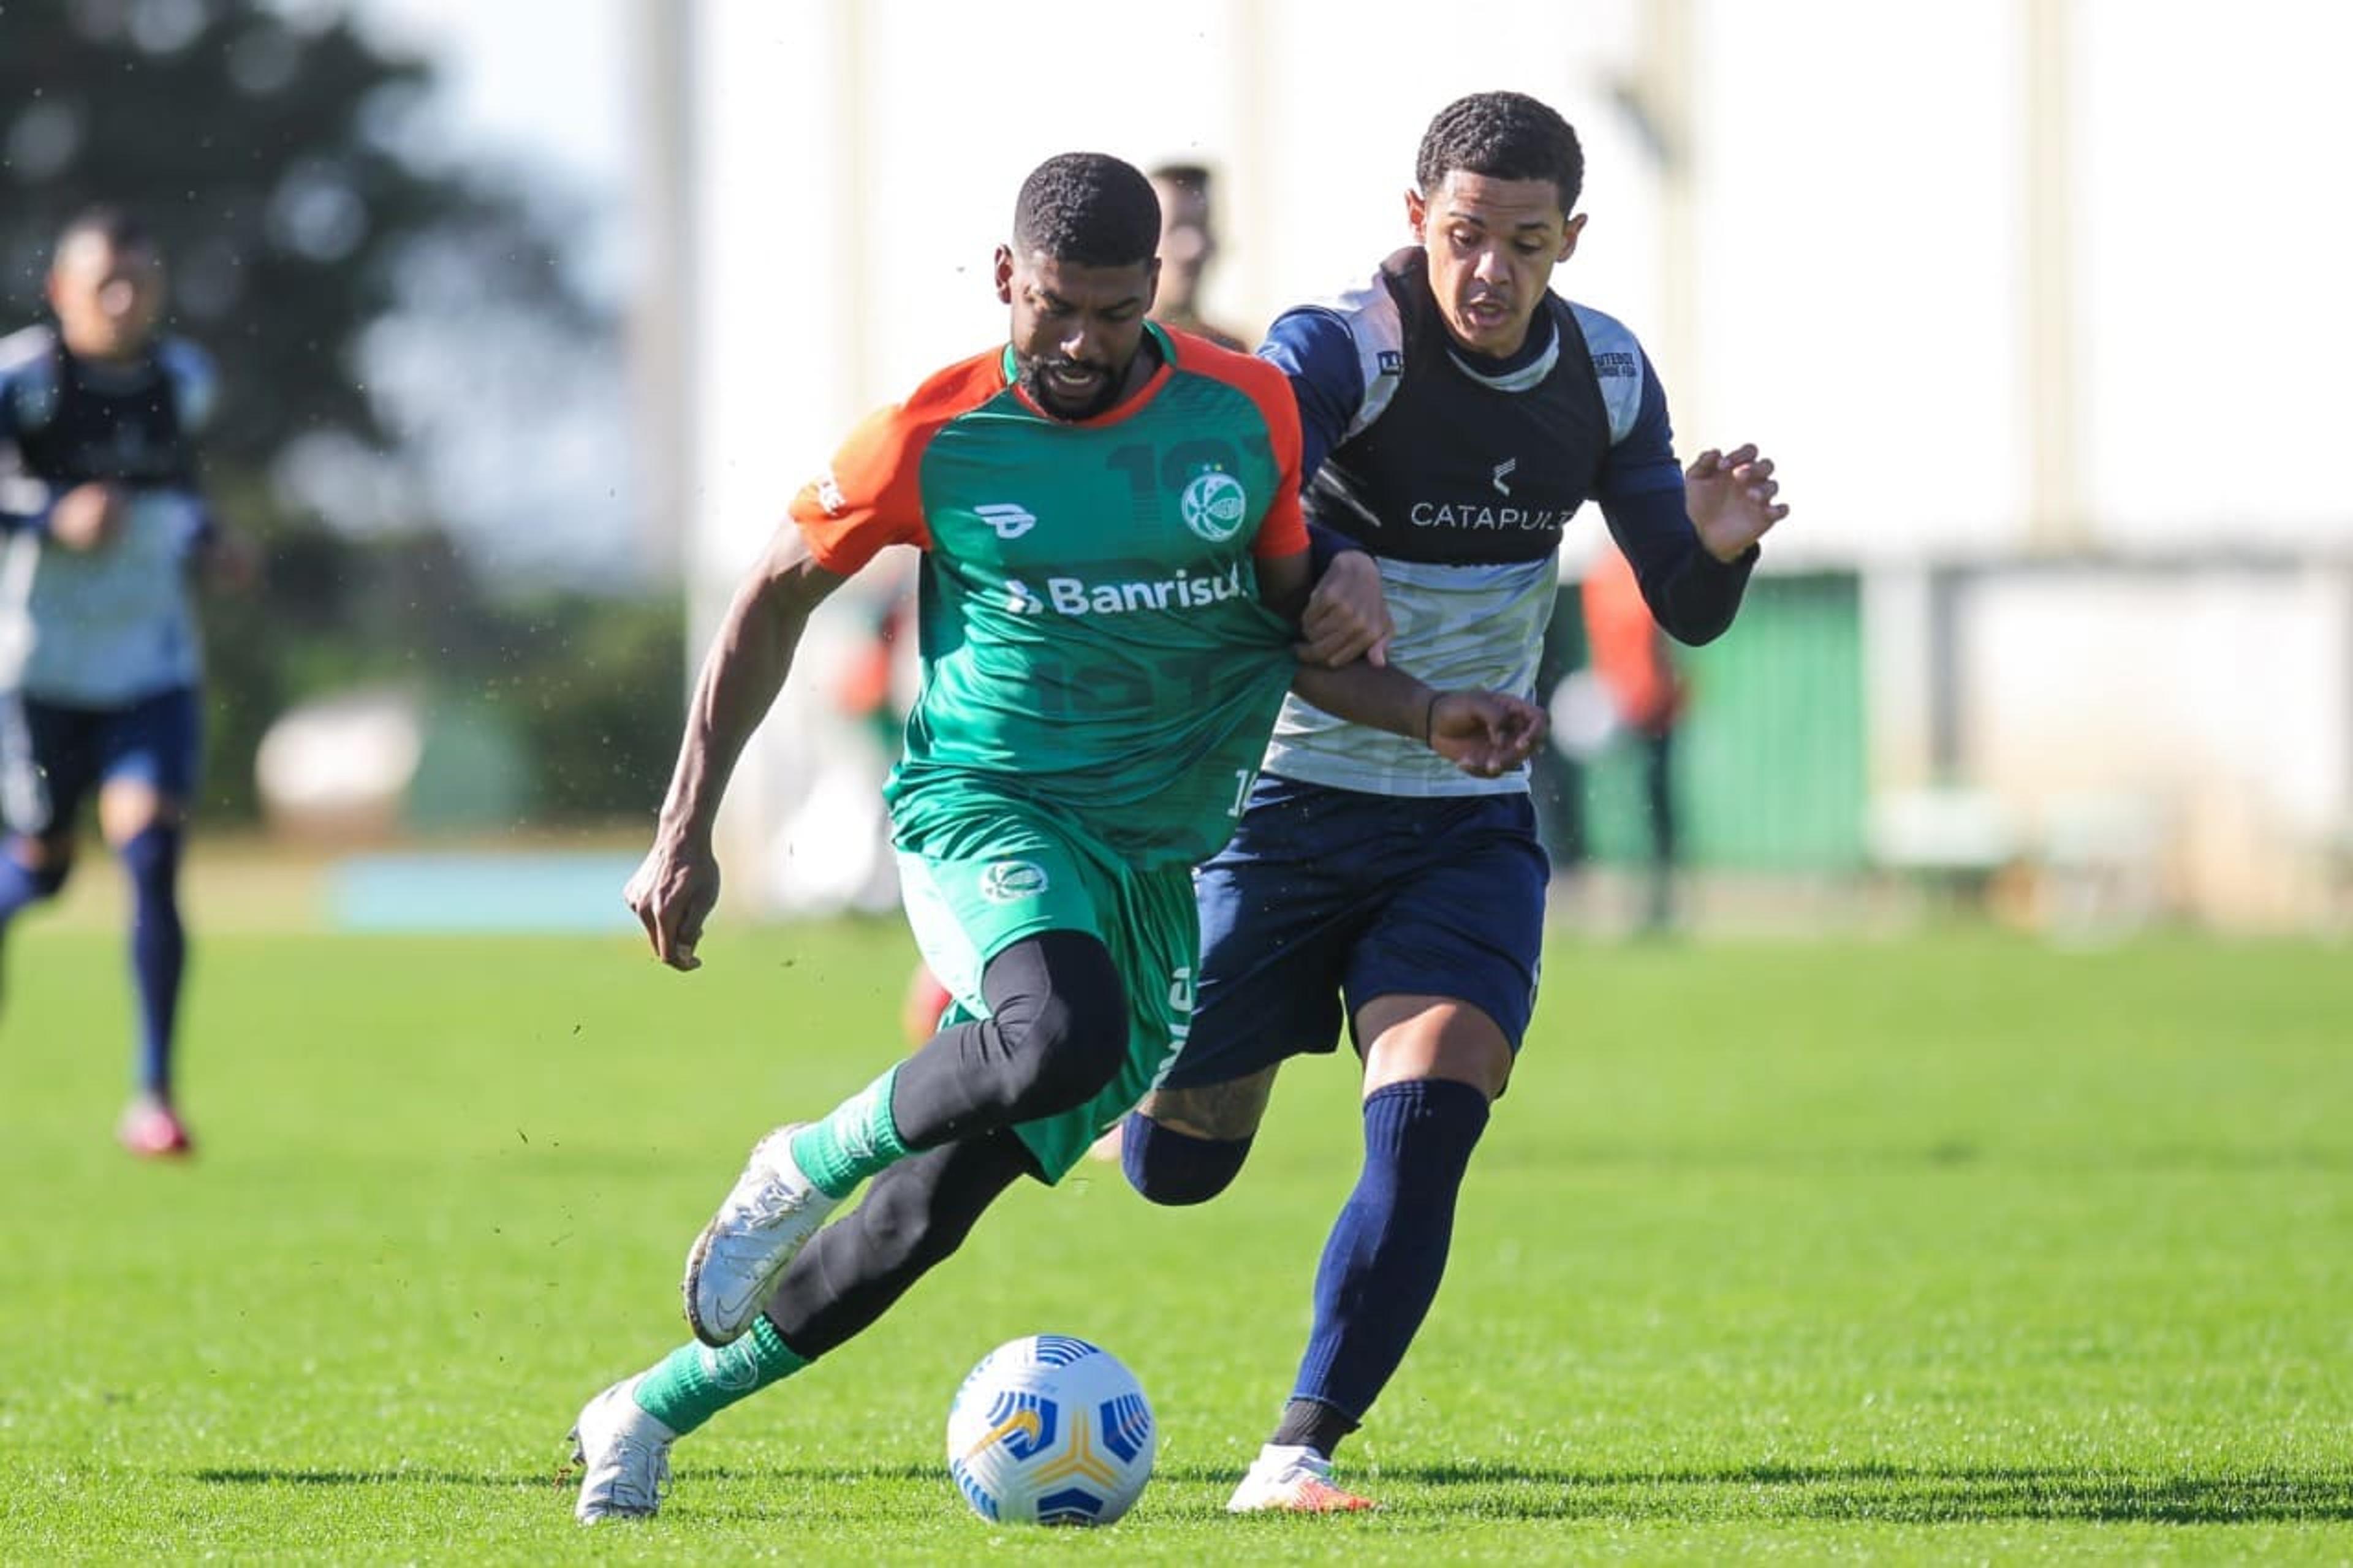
{"type": "Point", "coordinates": [1942, 1249]}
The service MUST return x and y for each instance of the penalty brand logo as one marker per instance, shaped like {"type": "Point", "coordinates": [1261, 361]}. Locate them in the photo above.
{"type": "Point", "coordinates": [856, 1126]}
{"type": "Point", "coordinates": [1214, 505]}
{"type": "Point", "coordinates": [733, 1368]}
{"type": "Point", "coordinates": [1010, 521]}
{"type": "Point", "coordinates": [1010, 881]}
{"type": "Point", "coordinates": [829, 496]}
{"type": "Point", "coordinates": [1504, 470]}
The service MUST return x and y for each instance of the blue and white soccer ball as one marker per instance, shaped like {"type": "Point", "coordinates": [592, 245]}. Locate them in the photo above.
{"type": "Point", "coordinates": [1050, 1430]}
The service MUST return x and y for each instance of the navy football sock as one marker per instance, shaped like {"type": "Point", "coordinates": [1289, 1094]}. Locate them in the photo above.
{"type": "Point", "coordinates": [20, 887]}
{"type": "Point", "coordinates": [1381, 1266]}
{"type": "Point", "coordinates": [159, 947]}
{"type": "Point", "coordinates": [1311, 1423]}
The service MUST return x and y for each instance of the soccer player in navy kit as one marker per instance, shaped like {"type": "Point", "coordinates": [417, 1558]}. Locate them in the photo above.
{"type": "Point", "coordinates": [1455, 414]}
{"type": "Point", "coordinates": [100, 659]}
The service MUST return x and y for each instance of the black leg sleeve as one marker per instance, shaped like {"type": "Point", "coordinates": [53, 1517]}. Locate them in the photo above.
{"type": "Point", "coordinates": [1056, 1034]}
{"type": "Point", "coordinates": [916, 1213]}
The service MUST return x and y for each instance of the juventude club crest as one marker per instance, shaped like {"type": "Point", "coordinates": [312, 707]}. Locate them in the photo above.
{"type": "Point", "coordinates": [1010, 881]}
{"type": "Point", "coordinates": [1214, 505]}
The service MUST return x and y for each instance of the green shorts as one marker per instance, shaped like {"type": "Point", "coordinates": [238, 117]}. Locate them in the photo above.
{"type": "Point", "coordinates": [1023, 878]}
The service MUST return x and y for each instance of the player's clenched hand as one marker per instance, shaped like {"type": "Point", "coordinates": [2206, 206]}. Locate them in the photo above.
{"type": "Point", "coordinates": [88, 516]}
{"type": "Point", "coordinates": [1729, 496]}
{"type": "Point", "coordinates": [674, 892]}
{"type": "Point", "coordinates": [1346, 618]}
{"type": "Point", "coordinates": [1485, 733]}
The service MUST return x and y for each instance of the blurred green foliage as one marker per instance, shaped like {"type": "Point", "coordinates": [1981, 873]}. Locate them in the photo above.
{"type": "Point", "coordinates": [587, 684]}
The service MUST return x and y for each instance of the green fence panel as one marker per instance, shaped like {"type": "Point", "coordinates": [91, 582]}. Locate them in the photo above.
{"type": "Point", "coordinates": [1768, 760]}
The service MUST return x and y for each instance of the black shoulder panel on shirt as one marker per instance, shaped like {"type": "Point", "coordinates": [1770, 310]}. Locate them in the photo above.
{"type": "Point", "coordinates": [1465, 467]}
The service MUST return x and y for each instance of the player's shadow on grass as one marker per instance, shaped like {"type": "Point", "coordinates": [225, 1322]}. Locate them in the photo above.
{"type": "Point", "coordinates": [266, 1476]}
{"type": "Point", "coordinates": [1906, 1494]}
{"type": "Point", "coordinates": [1877, 1494]}
{"type": "Point", "coordinates": [1959, 1152]}
{"type": "Point", "coordinates": [715, 1475]}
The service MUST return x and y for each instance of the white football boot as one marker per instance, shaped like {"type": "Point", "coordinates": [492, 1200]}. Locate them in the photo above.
{"type": "Point", "coordinates": [625, 1453]}
{"type": "Point", "coordinates": [1293, 1479]}
{"type": "Point", "coordinates": [769, 1216]}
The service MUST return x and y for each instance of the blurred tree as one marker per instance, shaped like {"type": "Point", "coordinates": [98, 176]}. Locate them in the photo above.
{"type": "Point", "coordinates": [264, 143]}
{"type": "Point", "coordinates": [265, 151]}
{"type": "Point", "coordinates": [577, 689]}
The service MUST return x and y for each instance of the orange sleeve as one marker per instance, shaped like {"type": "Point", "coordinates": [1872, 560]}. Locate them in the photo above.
{"type": "Point", "coordinates": [1628, 650]}
{"type": "Point", "coordinates": [870, 497]}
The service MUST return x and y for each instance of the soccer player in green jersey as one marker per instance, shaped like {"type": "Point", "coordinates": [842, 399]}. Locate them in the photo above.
{"type": "Point", "coordinates": [1114, 574]}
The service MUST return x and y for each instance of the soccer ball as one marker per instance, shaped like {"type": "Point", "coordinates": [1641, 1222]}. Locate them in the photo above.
{"type": "Point", "coordinates": [1050, 1430]}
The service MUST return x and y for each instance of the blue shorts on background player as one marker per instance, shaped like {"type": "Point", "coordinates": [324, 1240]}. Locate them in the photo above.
{"type": "Point", "coordinates": [100, 660]}
{"type": "Point", "coordinates": [1455, 415]}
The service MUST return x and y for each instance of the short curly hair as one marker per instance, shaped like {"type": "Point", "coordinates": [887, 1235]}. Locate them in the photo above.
{"type": "Point", "coordinates": [121, 229]}
{"type": "Point", "coordinates": [1505, 136]}
{"type": "Point", "coordinates": [1089, 208]}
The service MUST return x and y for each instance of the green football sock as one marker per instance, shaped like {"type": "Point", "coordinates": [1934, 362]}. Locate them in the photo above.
{"type": "Point", "coordinates": [695, 1383]}
{"type": "Point", "coordinates": [858, 1141]}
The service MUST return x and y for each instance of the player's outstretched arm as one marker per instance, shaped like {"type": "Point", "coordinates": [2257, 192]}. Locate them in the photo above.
{"type": "Point", "coordinates": [1482, 733]}
{"type": "Point", "coordinates": [676, 887]}
{"type": "Point", "coordinates": [1693, 559]}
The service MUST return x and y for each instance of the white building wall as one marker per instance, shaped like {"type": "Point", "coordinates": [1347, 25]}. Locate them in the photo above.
{"type": "Point", "coordinates": [2198, 720]}
{"type": "Point", "coordinates": [2217, 326]}
{"type": "Point", "coordinates": [1859, 265]}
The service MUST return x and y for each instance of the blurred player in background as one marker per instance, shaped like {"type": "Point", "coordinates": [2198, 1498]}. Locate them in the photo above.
{"type": "Point", "coordinates": [1455, 414]}
{"type": "Point", "coordinates": [100, 659]}
{"type": "Point", "coordinates": [1114, 585]}
{"type": "Point", "coordinates": [1188, 244]}
{"type": "Point", "coordinates": [1647, 695]}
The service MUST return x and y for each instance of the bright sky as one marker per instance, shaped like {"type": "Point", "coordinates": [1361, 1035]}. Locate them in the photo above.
{"type": "Point", "coordinates": [534, 97]}
{"type": "Point", "coordinates": [542, 79]}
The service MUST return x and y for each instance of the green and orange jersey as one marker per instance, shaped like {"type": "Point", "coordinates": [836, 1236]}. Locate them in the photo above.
{"type": "Point", "coordinates": [1093, 644]}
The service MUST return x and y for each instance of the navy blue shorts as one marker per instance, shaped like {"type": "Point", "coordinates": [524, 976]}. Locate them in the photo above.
{"type": "Point", "coordinates": [52, 756]}
{"type": "Point", "coordinates": [1327, 898]}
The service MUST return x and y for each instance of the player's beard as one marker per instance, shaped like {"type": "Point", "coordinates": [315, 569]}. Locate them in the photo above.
{"type": "Point", "coordinates": [1033, 381]}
